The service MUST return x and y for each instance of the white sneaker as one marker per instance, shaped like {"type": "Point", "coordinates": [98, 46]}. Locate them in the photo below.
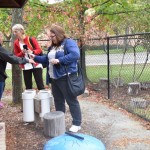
{"type": "Point", "coordinates": [74, 128]}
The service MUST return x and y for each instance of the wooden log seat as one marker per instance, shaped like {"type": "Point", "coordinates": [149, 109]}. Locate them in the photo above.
{"type": "Point", "coordinates": [54, 123]}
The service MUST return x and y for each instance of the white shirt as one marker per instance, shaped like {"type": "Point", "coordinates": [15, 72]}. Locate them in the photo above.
{"type": "Point", "coordinates": [28, 66]}
{"type": "Point", "coordinates": [51, 55]}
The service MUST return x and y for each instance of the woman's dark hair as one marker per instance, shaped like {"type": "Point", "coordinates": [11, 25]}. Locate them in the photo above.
{"type": "Point", "coordinates": [59, 33]}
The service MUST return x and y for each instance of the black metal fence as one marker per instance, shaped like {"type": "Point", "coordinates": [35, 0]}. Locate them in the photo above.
{"type": "Point", "coordinates": [119, 66]}
{"type": "Point", "coordinates": [128, 72]}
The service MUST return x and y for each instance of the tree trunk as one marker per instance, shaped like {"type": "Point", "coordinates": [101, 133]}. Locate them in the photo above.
{"type": "Point", "coordinates": [82, 53]}
{"type": "Point", "coordinates": [82, 42]}
{"type": "Point", "coordinates": [16, 71]}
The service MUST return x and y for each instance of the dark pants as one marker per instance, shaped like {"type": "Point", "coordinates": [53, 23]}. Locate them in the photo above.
{"type": "Point", "coordinates": [37, 72]}
{"type": "Point", "coordinates": [2, 86]}
{"type": "Point", "coordinates": [60, 93]}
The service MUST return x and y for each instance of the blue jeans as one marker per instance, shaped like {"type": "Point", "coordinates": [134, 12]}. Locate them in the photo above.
{"type": "Point", "coordinates": [2, 85]}
{"type": "Point", "coordinates": [60, 93]}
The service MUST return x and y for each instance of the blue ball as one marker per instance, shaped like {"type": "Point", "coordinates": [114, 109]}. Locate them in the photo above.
{"type": "Point", "coordinates": [67, 142]}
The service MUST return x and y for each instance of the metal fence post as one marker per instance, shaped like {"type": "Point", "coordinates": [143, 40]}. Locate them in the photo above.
{"type": "Point", "coordinates": [108, 64]}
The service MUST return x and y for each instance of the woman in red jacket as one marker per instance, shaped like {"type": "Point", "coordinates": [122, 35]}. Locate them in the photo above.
{"type": "Point", "coordinates": [22, 48]}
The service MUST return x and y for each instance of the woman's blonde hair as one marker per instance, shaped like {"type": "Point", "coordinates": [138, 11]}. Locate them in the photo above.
{"type": "Point", "coordinates": [18, 27]}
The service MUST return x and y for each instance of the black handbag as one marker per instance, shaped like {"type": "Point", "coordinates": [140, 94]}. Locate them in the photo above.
{"type": "Point", "coordinates": [76, 84]}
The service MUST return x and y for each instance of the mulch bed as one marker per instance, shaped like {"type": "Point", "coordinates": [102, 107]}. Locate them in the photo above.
{"type": "Point", "coordinates": [20, 136]}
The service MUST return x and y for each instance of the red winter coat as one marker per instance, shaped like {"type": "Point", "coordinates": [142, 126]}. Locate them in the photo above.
{"type": "Point", "coordinates": [36, 50]}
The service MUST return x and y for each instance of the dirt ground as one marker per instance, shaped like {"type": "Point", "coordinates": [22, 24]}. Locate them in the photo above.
{"type": "Point", "coordinates": [115, 127]}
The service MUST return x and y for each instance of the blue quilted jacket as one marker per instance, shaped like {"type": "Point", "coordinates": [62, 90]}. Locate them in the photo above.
{"type": "Point", "coordinates": [70, 59]}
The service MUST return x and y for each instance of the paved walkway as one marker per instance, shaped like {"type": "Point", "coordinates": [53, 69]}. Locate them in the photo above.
{"type": "Point", "coordinates": [115, 59]}
{"type": "Point", "coordinates": [116, 129]}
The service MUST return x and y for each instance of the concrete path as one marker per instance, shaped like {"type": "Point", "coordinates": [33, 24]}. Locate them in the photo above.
{"type": "Point", "coordinates": [116, 130]}
{"type": "Point", "coordinates": [116, 59]}
{"type": "Point", "coordinates": [115, 127]}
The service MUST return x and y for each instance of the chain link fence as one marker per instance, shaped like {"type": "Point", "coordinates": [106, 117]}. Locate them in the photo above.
{"type": "Point", "coordinates": [117, 66]}
{"type": "Point", "coordinates": [120, 68]}
{"type": "Point", "coordinates": [128, 73]}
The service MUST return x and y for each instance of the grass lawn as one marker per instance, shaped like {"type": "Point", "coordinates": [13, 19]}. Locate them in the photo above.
{"type": "Point", "coordinates": [94, 73]}
{"type": "Point", "coordinates": [9, 79]}
{"type": "Point", "coordinates": [139, 48]}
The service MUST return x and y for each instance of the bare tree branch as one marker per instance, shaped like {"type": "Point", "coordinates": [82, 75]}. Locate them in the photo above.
{"type": "Point", "coordinates": [100, 4]}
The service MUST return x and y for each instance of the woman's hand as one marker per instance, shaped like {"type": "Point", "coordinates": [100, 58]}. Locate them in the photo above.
{"type": "Point", "coordinates": [32, 61]}
{"type": "Point", "coordinates": [31, 56]}
{"type": "Point", "coordinates": [29, 51]}
{"type": "Point", "coordinates": [54, 61]}
{"type": "Point", "coordinates": [24, 51]}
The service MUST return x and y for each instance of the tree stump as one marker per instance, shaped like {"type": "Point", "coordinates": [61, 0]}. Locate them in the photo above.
{"type": "Point", "coordinates": [103, 83]}
{"type": "Point", "coordinates": [54, 124]}
{"type": "Point", "coordinates": [38, 108]}
{"type": "Point", "coordinates": [133, 88]}
{"type": "Point", "coordinates": [138, 103]}
{"type": "Point", "coordinates": [118, 82]}
{"type": "Point", "coordinates": [37, 105]}
{"type": "Point", "coordinates": [145, 85]}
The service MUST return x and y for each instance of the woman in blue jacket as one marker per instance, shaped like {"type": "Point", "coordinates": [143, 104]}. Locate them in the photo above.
{"type": "Point", "coordinates": [56, 74]}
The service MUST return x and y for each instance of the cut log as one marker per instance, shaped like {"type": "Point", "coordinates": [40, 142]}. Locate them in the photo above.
{"type": "Point", "coordinates": [103, 83]}
{"type": "Point", "coordinates": [133, 88]}
{"type": "Point", "coordinates": [138, 103]}
{"type": "Point", "coordinates": [38, 108]}
{"type": "Point", "coordinates": [37, 103]}
{"type": "Point", "coordinates": [118, 82]}
{"type": "Point", "coordinates": [54, 124]}
{"type": "Point", "coordinates": [51, 102]}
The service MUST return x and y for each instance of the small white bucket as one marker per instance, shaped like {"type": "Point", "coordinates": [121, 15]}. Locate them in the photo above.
{"type": "Point", "coordinates": [31, 90]}
{"type": "Point", "coordinates": [44, 96]}
{"type": "Point", "coordinates": [46, 90]}
{"type": "Point", "coordinates": [28, 106]}
{"type": "Point", "coordinates": [50, 97]}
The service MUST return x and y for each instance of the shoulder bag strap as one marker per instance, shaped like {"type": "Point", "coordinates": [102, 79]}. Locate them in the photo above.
{"type": "Point", "coordinates": [30, 42]}
{"type": "Point", "coordinates": [32, 45]}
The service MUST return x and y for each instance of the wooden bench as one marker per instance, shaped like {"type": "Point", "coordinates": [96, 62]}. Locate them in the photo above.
{"type": "Point", "coordinates": [2, 136]}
